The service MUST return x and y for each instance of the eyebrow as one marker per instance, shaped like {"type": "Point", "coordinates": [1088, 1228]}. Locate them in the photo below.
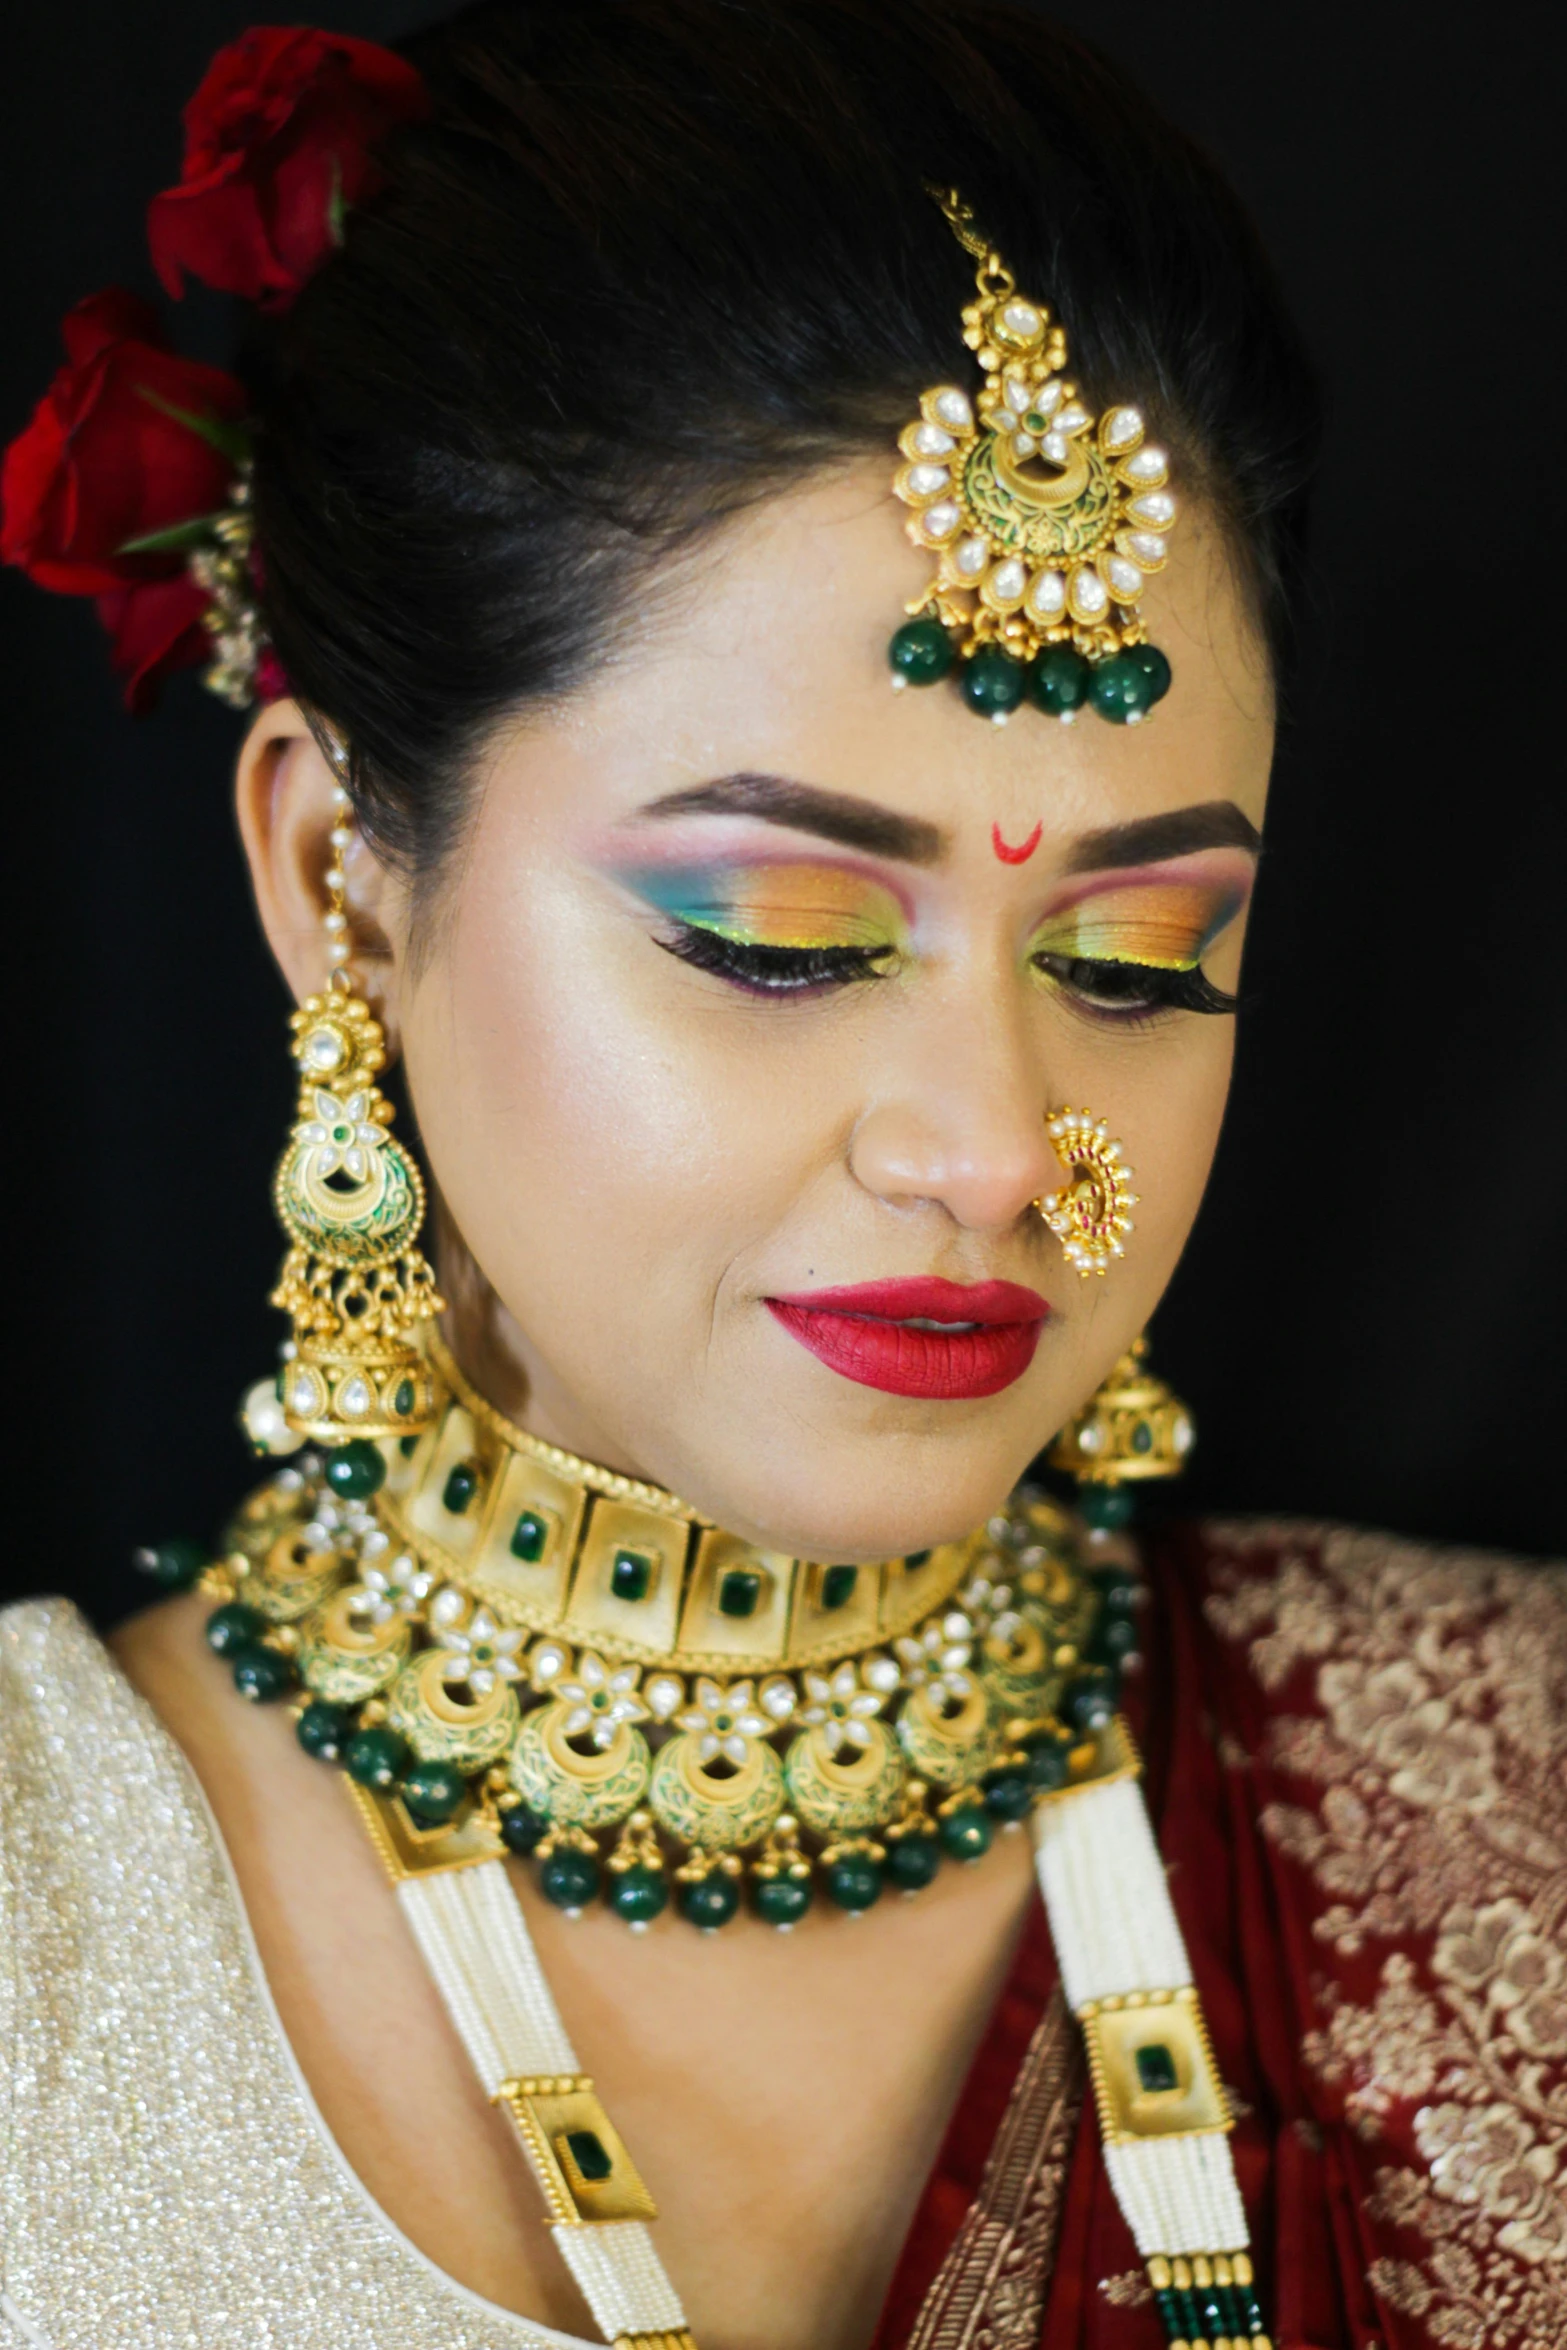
{"type": "Point", "coordinates": [835, 816]}
{"type": "Point", "coordinates": [1149, 840]}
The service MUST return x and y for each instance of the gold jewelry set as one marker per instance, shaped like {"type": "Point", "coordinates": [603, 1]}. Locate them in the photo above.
{"type": "Point", "coordinates": [515, 1651]}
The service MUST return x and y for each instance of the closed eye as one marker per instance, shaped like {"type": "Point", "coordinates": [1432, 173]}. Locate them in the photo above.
{"type": "Point", "coordinates": [771, 970]}
{"type": "Point", "coordinates": [1132, 993]}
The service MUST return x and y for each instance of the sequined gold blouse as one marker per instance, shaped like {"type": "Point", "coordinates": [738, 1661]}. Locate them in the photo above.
{"type": "Point", "coordinates": [166, 2181]}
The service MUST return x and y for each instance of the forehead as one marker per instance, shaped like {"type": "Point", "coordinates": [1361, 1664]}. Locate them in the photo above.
{"type": "Point", "coordinates": [766, 650]}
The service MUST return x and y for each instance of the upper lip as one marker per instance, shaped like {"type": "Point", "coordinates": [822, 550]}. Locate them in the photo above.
{"type": "Point", "coordinates": [927, 1298]}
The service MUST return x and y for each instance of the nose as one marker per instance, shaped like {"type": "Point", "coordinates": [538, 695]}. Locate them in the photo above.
{"type": "Point", "coordinates": [958, 1121]}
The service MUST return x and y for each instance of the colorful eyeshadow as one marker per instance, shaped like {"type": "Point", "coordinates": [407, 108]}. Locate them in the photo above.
{"type": "Point", "coordinates": [803, 906]}
{"type": "Point", "coordinates": [1168, 925]}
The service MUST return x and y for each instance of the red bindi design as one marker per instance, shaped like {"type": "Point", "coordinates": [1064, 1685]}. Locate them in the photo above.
{"type": "Point", "coordinates": [1024, 850]}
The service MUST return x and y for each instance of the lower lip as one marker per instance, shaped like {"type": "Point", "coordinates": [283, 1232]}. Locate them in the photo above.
{"type": "Point", "coordinates": [900, 1361]}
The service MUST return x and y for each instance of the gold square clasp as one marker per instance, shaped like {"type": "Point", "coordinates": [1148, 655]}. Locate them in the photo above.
{"type": "Point", "coordinates": [578, 2155]}
{"type": "Point", "coordinates": [1153, 2070]}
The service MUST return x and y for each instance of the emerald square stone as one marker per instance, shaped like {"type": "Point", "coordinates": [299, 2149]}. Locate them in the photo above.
{"type": "Point", "coordinates": [1155, 2068]}
{"type": "Point", "coordinates": [588, 2152]}
{"type": "Point", "coordinates": [462, 1483]}
{"type": "Point", "coordinates": [408, 1446]}
{"type": "Point", "coordinates": [738, 1592]}
{"type": "Point", "coordinates": [838, 1586]}
{"type": "Point", "coordinates": [631, 1576]}
{"type": "Point", "coordinates": [529, 1536]}
{"type": "Point", "coordinates": [916, 1559]}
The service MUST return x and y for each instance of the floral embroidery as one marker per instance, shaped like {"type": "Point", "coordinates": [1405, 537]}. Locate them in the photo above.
{"type": "Point", "coordinates": [1424, 1705]}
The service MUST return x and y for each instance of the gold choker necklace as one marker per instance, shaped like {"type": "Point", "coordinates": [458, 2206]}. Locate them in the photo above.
{"type": "Point", "coordinates": [511, 1648]}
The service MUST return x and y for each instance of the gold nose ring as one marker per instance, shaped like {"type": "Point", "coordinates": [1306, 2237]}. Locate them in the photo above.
{"type": "Point", "coordinates": [1088, 1215]}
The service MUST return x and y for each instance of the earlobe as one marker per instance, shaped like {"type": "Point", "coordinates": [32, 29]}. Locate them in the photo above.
{"type": "Point", "coordinates": [286, 800]}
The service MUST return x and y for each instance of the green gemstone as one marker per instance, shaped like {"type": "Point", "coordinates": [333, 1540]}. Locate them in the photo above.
{"type": "Point", "coordinates": [377, 1758]}
{"type": "Point", "coordinates": [738, 1592]}
{"type": "Point", "coordinates": [324, 1730]}
{"type": "Point", "coordinates": [522, 1830]}
{"type": "Point", "coordinates": [172, 1565]}
{"type": "Point", "coordinates": [1047, 1765]}
{"type": "Point", "coordinates": [992, 682]}
{"type": "Point", "coordinates": [781, 1901]}
{"type": "Point", "coordinates": [1058, 681]}
{"type": "Point", "coordinates": [711, 1902]}
{"type": "Point", "coordinates": [1107, 1507]}
{"type": "Point", "coordinates": [638, 1895]}
{"type": "Point", "coordinates": [1008, 1795]}
{"type": "Point", "coordinates": [260, 1673]}
{"type": "Point", "coordinates": [917, 1558]}
{"type": "Point", "coordinates": [570, 1879]}
{"type": "Point", "coordinates": [1034, 422]}
{"type": "Point", "coordinates": [1114, 1639]}
{"type": "Point", "coordinates": [1118, 1587]}
{"type": "Point", "coordinates": [1121, 689]}
{"type": "Point", "coordinates": [921, 651]}
{"type": "Point", "coordinates": [432, 1791]}
{"type": "Point", "coordinates": [233, 1626]}
{"type": "Point", "coordinates": [912, 1861]}
{"type": "Point", "coordinates": [631, 1576]}
{"type": "Point", "coordinates": [1155, 667]}
{"type": "Point", "coordinates": [966, 1834]}
{"type": "Point", "coordinates": [1142, 1437]}
{"type": "Point", "coordinates": [1155, 2067]}
{"type": "Point", "coordinates": [855, 1882]}
{"type": "Point", "coordinates": [838, 1586]}
{"type": "Point", "coordinates": [462, 1483]}
{"type": "Point", "coordinates": [529, 1536]}
{"type": "Point", "coordinates": [406, 1397]}
{"type": "Point", "coordinates": [408, 1446]}
{"type": "Point", "coordinates": [355, 1471]}
{"type": "Point", "coordinates": [588, 2152]}
{"type": "Point", "coordinates": [1088, 1702]}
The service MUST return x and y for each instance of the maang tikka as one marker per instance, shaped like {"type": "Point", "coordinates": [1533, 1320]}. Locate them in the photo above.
{"type": "Point", "coordinates": [1043, 526]}
{"type": "Point", "coordinates": [351, 1201]}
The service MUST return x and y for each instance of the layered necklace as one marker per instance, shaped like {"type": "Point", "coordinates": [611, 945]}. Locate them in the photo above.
{"type": "Point", "coordinates": [511, 1651]}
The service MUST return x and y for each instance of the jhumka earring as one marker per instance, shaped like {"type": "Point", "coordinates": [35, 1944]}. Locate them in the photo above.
{"type": "Point", "coordinates": [1044, 526]}
{"type": "Point", "coordinates": [351, 1201]}
{"type": "Point", "coordinates": [1088, 1215]}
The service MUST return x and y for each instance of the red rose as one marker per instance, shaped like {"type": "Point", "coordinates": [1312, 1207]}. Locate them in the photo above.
{"type": "Point", "coordinates": [108, 459]}
{"type": "Point", "coordinates": [277, 142]}
{"type": "Point", "coordinates": [155, 629]}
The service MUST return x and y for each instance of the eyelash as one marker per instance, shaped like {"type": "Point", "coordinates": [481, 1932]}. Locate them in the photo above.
{"type": "Point", "coordinates": [1127, 993]}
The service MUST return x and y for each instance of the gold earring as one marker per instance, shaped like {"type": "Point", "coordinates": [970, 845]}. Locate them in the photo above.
{"type": "Point", "coordinates": [1088, 1215]}
{"type": "Point", "coordinates": [351, 1201]}
{"type": "Point", "coordinates": [1132, 1427]}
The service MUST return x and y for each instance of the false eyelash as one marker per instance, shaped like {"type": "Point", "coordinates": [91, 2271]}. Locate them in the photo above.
{"type": "Point", "coordinates": [764, 970]}
{"type": "Point", "coordinates": [1147, 987]}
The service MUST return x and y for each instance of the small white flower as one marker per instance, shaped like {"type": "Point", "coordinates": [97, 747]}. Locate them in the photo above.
{"type": "Point", "coordinates": [397, 1588]}
{"type": "Point", "coordinates": [481, 1651]}
{"type": "Point", "coordinates": [724, 1721]}
{"type": "Point", "coordinates": [936, 1658]}
{"type": "Point", "coordinates": [840, 1708]}
{"type": "Point", "coordinates": [989, 1608]}
{"type": "Point", "coordinates": [600, 1700]}
{"type": "Point", "coordinates": [343, 1133]}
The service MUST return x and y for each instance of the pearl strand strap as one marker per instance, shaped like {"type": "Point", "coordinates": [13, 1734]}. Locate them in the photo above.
{"type": "Point", "coordinates": [470, 1928]}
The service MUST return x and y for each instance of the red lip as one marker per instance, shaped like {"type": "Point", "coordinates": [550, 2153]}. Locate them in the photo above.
{"type": "Point", "coordinates": [862, 1332]}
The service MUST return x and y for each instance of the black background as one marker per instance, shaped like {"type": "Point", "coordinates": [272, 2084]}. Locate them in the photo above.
{"type": "Point", "coordinates": [1367, 1317]}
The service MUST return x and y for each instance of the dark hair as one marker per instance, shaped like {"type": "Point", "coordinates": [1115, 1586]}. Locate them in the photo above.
{"type": "Point", "coordinates": [650, 259]}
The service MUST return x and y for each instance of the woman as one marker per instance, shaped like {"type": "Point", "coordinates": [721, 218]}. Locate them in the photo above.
{"type": "Point", "coordinates": [619, 384]}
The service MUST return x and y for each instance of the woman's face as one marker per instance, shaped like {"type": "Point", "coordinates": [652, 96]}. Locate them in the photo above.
{"type": "Point", "coordinates": [755, 982]}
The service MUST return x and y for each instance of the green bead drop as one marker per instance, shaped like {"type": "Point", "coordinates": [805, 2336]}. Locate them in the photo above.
{"type": "Point", "coordinates": [1047, 1764]}
{"type": "Point", "coordinates": [355, 1470]}
{"type": "Point", "coordinates": [261, 1674]}
{"type": "Point", "coordinates": [711, 1902]}
{"type": "Point", "coordinates": [966, 1834]}
{"type": "Point", "coordinates": [1058, 681]}
{"type": "Point", "coordinates": [921, 652]}
{"type": "Point", "coordinates": [855, 1883]}
{"type": "Point", "coordinates": [781, 1901]}
{"type": "Point", "coordinates": [570, 1879]}
{"type": "Point", "coordinates": [234, 1626]}
{"type": "Point", "coordinates": [1088, 1701]}
{"type": "Point", "coordinates": [522, 1830]}
{"type": "Point", "coordinates": [1121, 689]}
{"type": "Point", "coordinates": [172, 1565]}
{"type": "Point", "coordinates": [377, 1758]}
{"type": "Point", "coordinates": [638, 1895]}
{"type": "Point", "coordinates": [431, 1791]}
{"type": "Point", "coordinates": [1106, 1507]}
{"type": "Point", "coordinates": [324, 1730]}
{"type": "Point", "coordinates": [992, 682]}
{"type": "Point", "coordinates": [913, 1861]}
{"type": "Point", "coordinates": [1008, 1795]}
{"type": "Point", "coordinates": [1113, 1640]}
{"type": "Point", "coordinates": [1155, 666]}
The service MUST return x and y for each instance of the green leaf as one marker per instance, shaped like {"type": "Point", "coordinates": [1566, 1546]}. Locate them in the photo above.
{"type": "Point", "coordinates": [336, 209]}
{"type": "Point", "coordinates": [179, 535]}
{"type": "Point", "coordinates": [231, 439]}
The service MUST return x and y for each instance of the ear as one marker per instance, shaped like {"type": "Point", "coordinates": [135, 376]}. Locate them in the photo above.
{"type": "Point", "coordinates": [286, 799]}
